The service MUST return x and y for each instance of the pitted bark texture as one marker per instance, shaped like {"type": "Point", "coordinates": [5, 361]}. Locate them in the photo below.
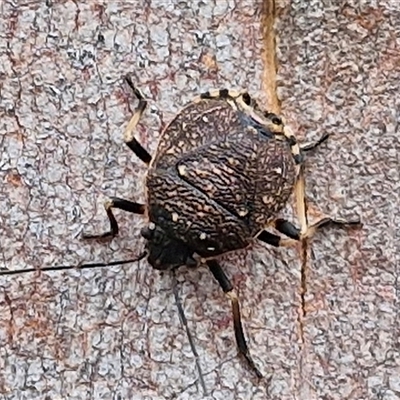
{"type": "Point", "coordinates": [114, 333]}
{"type": "Point", "coordinates": [338, 73]}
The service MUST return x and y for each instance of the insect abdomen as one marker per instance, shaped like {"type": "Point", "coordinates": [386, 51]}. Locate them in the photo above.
{"type": "Point", "coordinates": [190, 215]}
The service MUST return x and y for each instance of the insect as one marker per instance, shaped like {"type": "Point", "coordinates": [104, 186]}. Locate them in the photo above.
{"type": "Point", "coordinates": [222, 171]}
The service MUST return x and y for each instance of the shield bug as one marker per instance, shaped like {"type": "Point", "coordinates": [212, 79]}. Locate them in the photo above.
{"type": "Point", "coordinates": [223, 170]}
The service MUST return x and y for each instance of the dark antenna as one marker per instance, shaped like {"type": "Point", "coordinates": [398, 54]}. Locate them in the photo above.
{"type": "Point", "coordinates": [189, 335]}
{"type": "Point", "coordinates": [78, 266]}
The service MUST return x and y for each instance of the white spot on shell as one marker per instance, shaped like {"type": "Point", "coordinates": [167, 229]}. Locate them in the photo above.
{"type": "Point", "coordinates": [278, 170]}
{"type": "Point", "coordinates": [175, 217]}
{"type": "Point", "coordinates": [182, 170]}
{"type": "Point", "coordinates": [152, 226]}
{"type": "Point", "coordinates": [266, 199]}
{"type": "Point", "coordinates": [205, 119]}
{"type": "Point", "coordinates": [203, 236]}
{"type": "Point", "coordinates": [210, 248]}
{"type": "Point", "coordinates": [243, 213]}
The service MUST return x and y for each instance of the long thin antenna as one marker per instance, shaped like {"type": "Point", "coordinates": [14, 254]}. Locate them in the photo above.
{"type": "Point", "coordinates": [78, 266]}
{"type": "Point", "coordinates": [189, 335]}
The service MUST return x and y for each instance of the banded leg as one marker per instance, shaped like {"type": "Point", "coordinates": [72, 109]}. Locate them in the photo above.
{"type": "Point", "coordinates": [275, 240]}
{"type": "Point", "coordinates": [227, 287]}
{"type": "Point", "coordinates": [297, 152]}
{"type": "Point", "coordinates": [122, 204]}
{"type": "Point", "coordinates": [291, 231]}
{"type": "Point", "coordinates": [301, 205]}
{"type": "Point", "coordinates": [297, 149]}
{"type": "Point", "coordinates": [313, 145]}
{"type": "Point", "coordinates": [294, 147]}
{"type": "Point", "coordinates": [294, 234]}
{"type": "Point", "coordinates": [301, 200]}
{"type": "Point", "coordinates": [129, 137]}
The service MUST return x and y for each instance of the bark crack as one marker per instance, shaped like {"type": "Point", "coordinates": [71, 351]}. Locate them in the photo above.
{"type": "Point", "coordinates": [269, 55]}
{"type": "Point", "coordinates": [274, 105]}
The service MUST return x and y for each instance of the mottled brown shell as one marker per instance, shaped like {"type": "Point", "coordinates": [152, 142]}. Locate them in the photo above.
{"type": "Point", "coordinates": [218, 178]}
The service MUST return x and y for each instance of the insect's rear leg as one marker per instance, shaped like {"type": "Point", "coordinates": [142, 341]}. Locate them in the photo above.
{"type": "Point", "coordinates": [227, 287]}
{"type": "Point", "coordinates": [129, 137]}
{"type": "Point", "coordinates": [122, 204]}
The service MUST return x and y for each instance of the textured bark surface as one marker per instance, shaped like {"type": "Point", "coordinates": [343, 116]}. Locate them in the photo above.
{"type": "Point", "coordinates": [115, 333]}
{"type": "Point", "coordinates": [338, 72]}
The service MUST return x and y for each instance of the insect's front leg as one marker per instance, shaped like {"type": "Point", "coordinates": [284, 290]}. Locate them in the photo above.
{"type": "Point", "coordinates": [122, 204]}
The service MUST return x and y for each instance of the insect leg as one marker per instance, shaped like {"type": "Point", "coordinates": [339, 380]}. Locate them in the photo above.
{"type": "Point", "coordinates": [290, 230]}
{"type": "Point", "coordinates": [313, 145]}
{"type": "Point", "coordinates": [301, 200]}
{"type": "Point", "coordinates": [227, 287]}
{"type": "Point", "coordinates": [275, 240]}
{"type": "Point", "coordinates": [293, 233]}
{"type": "Point", "coordinates": [129, 137]}
{"type": "Point", "coordinates": [122, 204]}
{"type": "Point", "coordinates": [296, 151]}
{"type": "Point", "coordinates": [294, 146]}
